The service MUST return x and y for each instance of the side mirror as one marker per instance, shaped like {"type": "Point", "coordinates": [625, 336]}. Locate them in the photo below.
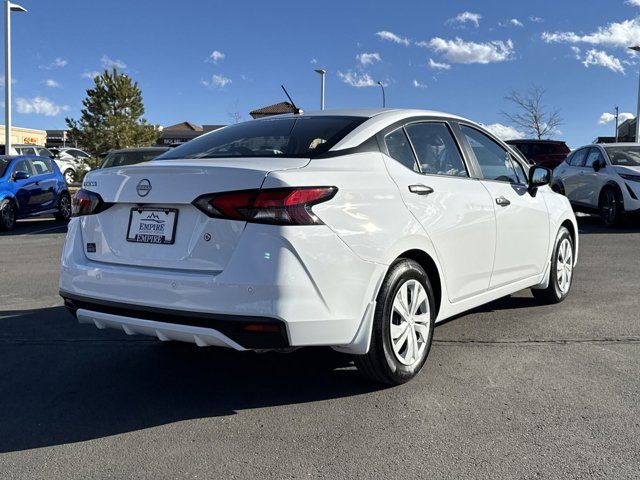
{"type": "Point", "coordinates": [598, 165]}
{"type": "Point", "coordinates": [538, 177]}
{"type": "Point", "coordinates": [20, 175]}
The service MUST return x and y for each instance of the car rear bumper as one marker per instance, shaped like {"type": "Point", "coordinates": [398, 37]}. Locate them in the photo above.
{"type": "Point", "coordinates": [303, 279]}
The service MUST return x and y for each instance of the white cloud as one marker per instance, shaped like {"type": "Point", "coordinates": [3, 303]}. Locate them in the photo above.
{"type": "Point", "coordinates": [603, 59]}
{"type": "Point", "coordinates": [111, 63]}
{"type": "Point", "coordinates": [217, 81]}
{"type": "Point", "coordinates": [51, 83]}
{"type": "Point", "coordinates": [39, 106]}
{"type": "Point", "coordinates": [57, 63]}
{"type": "Point", "coordinates": [438, 65]}
{"type": "Point", "coordinates": [418, 84]}
{"type": "Point", "coordinates": [392, 37]}
{"type": "Point", "coordinates": [464, 18]}
{"type": "Point", "coordinates": [313, 61]}
{"type": "Point", "coordinates": [368, 58]}
{"type": "Point", "coordinates": [608, 117]}
{"type": "Point", "coordinates": [215, 56]}
{"type": "Point", "coordinates": [576, 52]}
{"type": "Point", "coordinates": [535, 19]}
{"type": "Point", "coordinates": [504, 132]}
{"type": "Point", "coordinates": [516, 23]}
{"type": "Point", "coordinates": [460, 51]}
{"type": "Point", "coordinates": [616, 34]}
{"type": "Point", "coordinates": [90, 75]}
{"type": "Point", "coordinates": [356, 79]}
{"type": "Point", "coordinates": [634, 3]}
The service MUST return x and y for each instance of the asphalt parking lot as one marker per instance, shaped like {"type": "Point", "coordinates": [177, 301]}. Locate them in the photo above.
{"type": "Point", "coordinates": [511, 390]}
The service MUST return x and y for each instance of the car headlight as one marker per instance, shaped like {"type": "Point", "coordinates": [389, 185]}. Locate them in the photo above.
{"type": "Point", "coordinates": [634, 178]}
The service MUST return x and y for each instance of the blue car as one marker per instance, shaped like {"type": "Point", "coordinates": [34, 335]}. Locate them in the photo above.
{"type": "Point", "coordinates": [31, 186]}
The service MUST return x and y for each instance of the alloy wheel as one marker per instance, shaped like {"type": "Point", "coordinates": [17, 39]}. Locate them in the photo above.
{"type": "Point", "coordinates": [65, 206]}
{"type": "Point", "coordinates": [609, 207]}
{"type": "Point", "coordinates": [69, 177]}
{"type": "Point", "coordinates": [8, 216]}
{"type": "Point", "coordinates": [410, 322]}
{"type": "Point", "coordinates": [564, 265]}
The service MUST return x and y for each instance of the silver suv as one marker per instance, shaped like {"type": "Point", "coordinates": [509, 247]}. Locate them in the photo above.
{"type": "Point", "coordinates": [603, 178]}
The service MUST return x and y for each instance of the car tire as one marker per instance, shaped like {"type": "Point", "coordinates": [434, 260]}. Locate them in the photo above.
{"type": "Point", "coordinates": [8, 215]}
{"type": "Point", "coordinates": [393, 361]}
{"type": "Point", "coordinates": [610, 207]}
{"type": "Point", "coordinates": [64, 208]}
{"type": "Point", "coordinates": [69, 176]}
{"type": "Point", "coordinates": [561, 274]}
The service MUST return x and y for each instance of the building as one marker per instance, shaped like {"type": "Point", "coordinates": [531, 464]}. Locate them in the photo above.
{"type": "Point", "coordinates": [627, 131]}
{"type": "Point", "coordinates": [183, 132]}
{"type": "Point", "coordinates": [275, 109]}
{"type": "Point", "coordinates": [21, 136]}
{"type": "Point", "coordinates": [57, 138]}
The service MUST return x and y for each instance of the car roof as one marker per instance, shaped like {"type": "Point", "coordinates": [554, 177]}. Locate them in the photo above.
{"type": "Point", "coordinates": [524, 140]}
{"type": "Point", "coordinates": [365, 113]}
{"type": "Point", "coordinates": [619, 144]}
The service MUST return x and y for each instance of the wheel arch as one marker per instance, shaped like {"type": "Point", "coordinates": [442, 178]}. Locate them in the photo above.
{"type": "Point", "coordinates": [611, 185]}
{"type": "Point", "coordinates": [431, 268]}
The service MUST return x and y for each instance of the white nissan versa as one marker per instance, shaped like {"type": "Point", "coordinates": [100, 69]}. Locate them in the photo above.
{"type": "Point", "coordinates": [357, 229]}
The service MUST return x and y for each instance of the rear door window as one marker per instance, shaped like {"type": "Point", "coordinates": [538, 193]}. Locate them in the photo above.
{"type": "Point", "coordinates": [436, 149]}
{"type": "Point", "coordinates": [41, 166]}
{"type": "Point", "coordinates": [400, 150]}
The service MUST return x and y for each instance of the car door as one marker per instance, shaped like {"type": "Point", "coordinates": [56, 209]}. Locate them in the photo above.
{"type": "Point", "coordinates": [24, 188]}
{"type": "Point", "coordinates": [592, 180]}
{"type": "Point", "coordinates": [572, 179]}
{"type": "Point", "coordinates": [456, 211]}
{"type": "Point", "coordinates": [44, 193]}
{"type": "Point", "coordinates": [522, 218]}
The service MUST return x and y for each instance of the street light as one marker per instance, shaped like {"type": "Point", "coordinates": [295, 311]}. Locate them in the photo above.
{"type": "Point", "coordinates": [322, 75]}
{"type": "Point", "coordinates": [636, 48]}
{"type": "Point", "coordinates": [384, 100]}
{"type": "Point", "coordinates": [8, 8]}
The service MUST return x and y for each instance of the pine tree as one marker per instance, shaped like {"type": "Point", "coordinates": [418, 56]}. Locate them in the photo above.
{"type": "Point", "coordinates": [112, 116]}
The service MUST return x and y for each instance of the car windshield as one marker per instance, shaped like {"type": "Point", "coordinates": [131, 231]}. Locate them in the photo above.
{"type": "Point", "coordinates": [4, 164]}
{"type": "Point", "coordinates": [120, 159]}
{"type": "Point", "coordinates": [273, 137]}
{"type": "Point", "coordinates": [624, 156]}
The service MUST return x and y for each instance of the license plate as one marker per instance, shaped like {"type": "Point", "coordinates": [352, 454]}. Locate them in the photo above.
{"type": "Point", "coordinates": [152, 225]}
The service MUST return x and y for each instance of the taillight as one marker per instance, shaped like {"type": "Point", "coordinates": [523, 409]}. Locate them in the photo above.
{"type": "Point", "coordinates": [278, 206]}
{"type": "Point", "coordinates": [85, 202]}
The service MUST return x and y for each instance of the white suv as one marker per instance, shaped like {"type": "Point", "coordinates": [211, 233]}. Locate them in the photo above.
{"type": "Point", "coordinates": [356, 229]}
{"type": "Point", "coordinates": [603, 178]}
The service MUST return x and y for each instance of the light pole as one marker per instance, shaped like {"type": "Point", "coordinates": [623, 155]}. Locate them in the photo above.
{"type": "Point", "coordinates": [617, 115]}
{"type": "Point", "coordinates": [8, 8]}
{"type": "Point", "coordinates": [384, 100]}
{"type": "Point", "coordinates": [636, 48]}
{"type": "Point", "coordinates": [322, 75]}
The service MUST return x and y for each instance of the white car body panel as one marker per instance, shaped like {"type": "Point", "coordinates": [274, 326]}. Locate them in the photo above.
{"type": "Point", "coordinates": [320, 280]}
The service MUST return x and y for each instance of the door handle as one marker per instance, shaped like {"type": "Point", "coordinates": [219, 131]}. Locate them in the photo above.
{"type": "Point", "coordinates": [420, 189]}
{"type": "Point", "coordinates": [503, 202]}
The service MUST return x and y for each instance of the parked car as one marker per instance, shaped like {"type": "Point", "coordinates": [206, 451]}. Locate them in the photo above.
{"type": "Point", "coordinates": [69, 166]}
{"type": "Point", "coordinates": [131, 156]}
{"type": "Point", "coordinates": [602, 178]}
{"type": "Point", "coordinates": [31, 186]}
{"type": "Point", "coordinates": [546, 153]}
{"type": "Point", "coordinates": [69, 152]}
{"type": "Point", "coordinates": [355, 229]}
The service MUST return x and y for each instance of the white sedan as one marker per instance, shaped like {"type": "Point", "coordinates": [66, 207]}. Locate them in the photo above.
{"type": "Point", "coordinates": [357, 229]}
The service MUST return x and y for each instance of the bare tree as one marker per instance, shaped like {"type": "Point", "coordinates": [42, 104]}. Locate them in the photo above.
{"type": "Point", "coordinates": [532, 115]}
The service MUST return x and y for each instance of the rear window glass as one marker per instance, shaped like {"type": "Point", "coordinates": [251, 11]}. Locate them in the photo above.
{"type": "Point", "coordinates": [624, 156]}
{"type": "Point", "coordinates": [273, 137]}
{"type": "Point", "coordinates": [120, 159]}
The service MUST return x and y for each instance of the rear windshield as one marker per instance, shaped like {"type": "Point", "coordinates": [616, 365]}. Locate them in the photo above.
{"type": "Point", "coordinates": [624, 156]}
{"type": "Point", "coordinates": [4, 163]}
{"type": "Point", "coordinates": [273, 137]}
{"type": "Point", "coordinates": [120, 159]}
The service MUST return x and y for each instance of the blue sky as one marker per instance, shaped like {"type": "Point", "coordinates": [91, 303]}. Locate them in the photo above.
{"type": "Point", "coordinates": [457, 56]}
